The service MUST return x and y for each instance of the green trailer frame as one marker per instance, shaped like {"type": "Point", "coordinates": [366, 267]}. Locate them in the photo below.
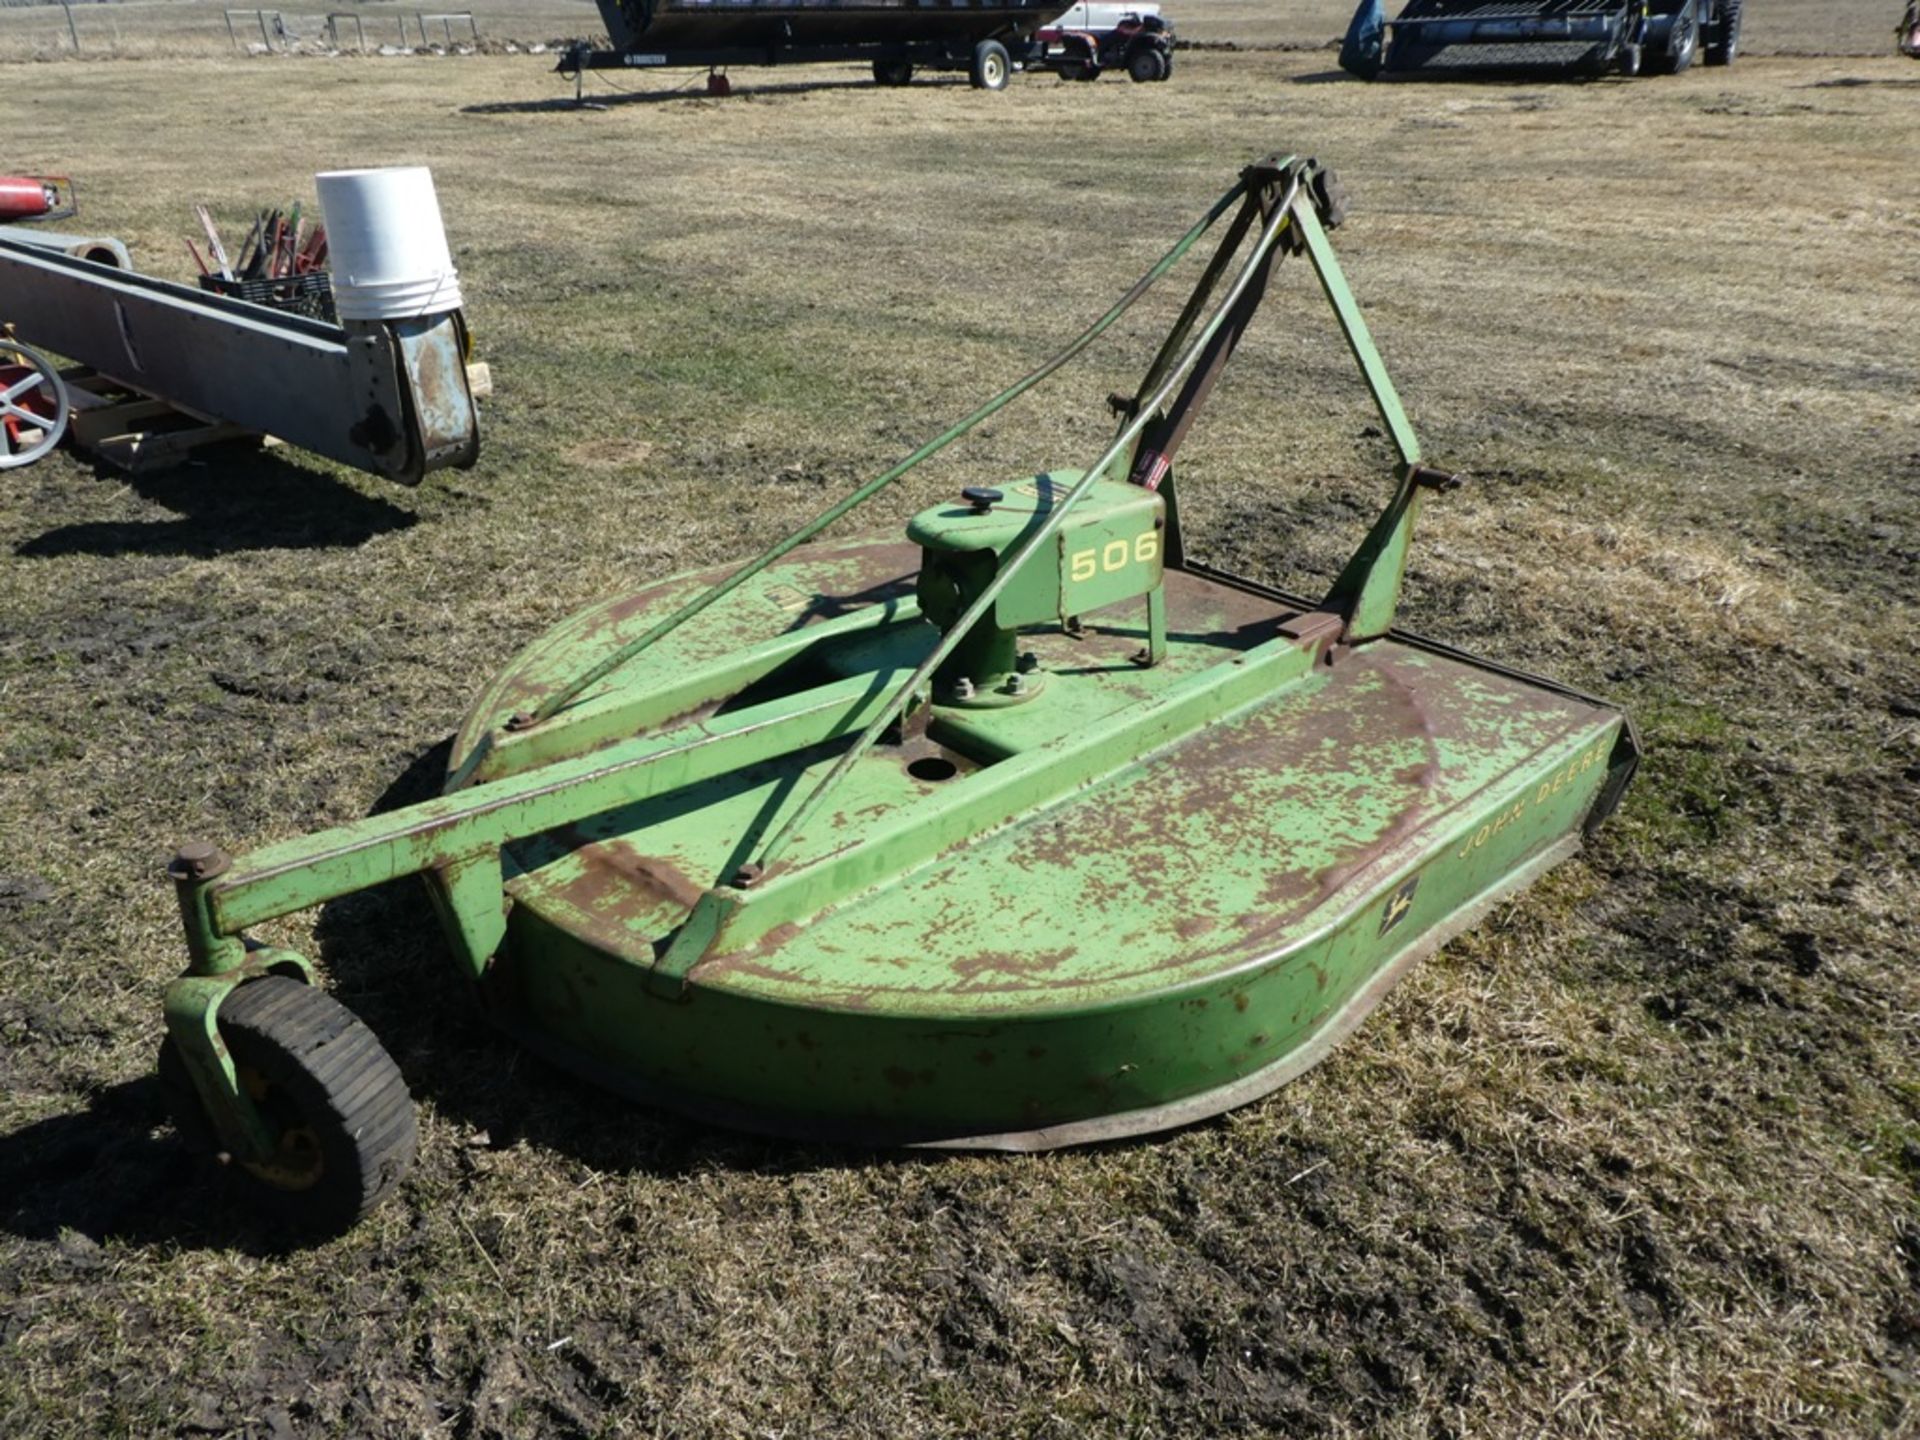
{"type": "Point", "coordinates": [1027, 831]}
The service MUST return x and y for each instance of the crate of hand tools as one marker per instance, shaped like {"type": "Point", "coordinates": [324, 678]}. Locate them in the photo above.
{"type": "Point", "coordinates": [282, 264]}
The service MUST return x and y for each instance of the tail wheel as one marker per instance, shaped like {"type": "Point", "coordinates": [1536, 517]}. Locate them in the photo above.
{"type": "Point", "coordinates": [331, 1093]}
{"type": "Point", "coordinates": [33, 405]}
{"type": "Point", "coordinates": [1725, 43]}
{"type": "Point", "coordinates": [892, 72]}
{"type": "Point", "coordinates": [991, 66]}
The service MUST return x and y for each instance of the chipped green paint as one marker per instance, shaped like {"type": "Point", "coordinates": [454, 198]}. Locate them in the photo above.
{"type": "Point", "coordinates": [1095, 916]}
{"type": "Point", "coordinates": [1021, 833]}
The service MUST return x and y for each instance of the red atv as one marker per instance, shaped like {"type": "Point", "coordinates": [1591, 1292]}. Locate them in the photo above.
{"type": "Point", "coordinates": [1093, 38]}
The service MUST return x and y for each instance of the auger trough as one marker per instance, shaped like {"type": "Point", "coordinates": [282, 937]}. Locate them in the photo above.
{"type": "Point", "coordinates": [1023, 830]}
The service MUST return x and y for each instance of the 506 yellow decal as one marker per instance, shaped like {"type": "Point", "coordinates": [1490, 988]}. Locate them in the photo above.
{"type": "Point", "coordinates": [1114, 555]}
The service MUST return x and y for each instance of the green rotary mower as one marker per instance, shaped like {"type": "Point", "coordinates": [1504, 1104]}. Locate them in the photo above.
{"type": "Point", "coordinates": [1023, 830]}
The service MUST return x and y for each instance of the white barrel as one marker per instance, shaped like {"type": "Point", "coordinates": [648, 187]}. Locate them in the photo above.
{"type": "Point", "coordinates": [386, 246]}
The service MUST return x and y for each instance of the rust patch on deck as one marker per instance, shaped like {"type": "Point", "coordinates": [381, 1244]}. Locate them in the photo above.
{"type": "Point", "coordinates": [1035, 963]}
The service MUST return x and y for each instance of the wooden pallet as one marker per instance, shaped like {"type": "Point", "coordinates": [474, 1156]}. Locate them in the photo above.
{"type": "Point", "coordinates": [135, 431]}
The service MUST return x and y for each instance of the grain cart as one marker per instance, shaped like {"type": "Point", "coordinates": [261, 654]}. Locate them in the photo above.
{"type": "Point", "coordinates": [1023, 829]}
{"type": "Point", "coordinates": [1582, 36]}
{"type": "Point", "coordinates": [987, 39]}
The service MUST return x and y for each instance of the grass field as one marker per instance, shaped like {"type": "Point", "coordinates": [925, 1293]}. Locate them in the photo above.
{"type": "Point", "coordinates": [1638, 1157]}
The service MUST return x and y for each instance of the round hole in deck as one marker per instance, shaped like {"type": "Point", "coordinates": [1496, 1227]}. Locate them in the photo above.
{"type": "Point", "coordinates": [932, 767]}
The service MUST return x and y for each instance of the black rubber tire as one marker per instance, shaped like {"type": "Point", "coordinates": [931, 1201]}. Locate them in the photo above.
{"type": "Point", "coordinates": [1725, 44]}
{"type": "Point", "coordinates": [347, 1125]}
{"type": "Point", "coordinates": [992, 66]}
{"type": "Point", "coordinates": [892, 72]}
{"type": "Point", "coordinates": [1146, 65]}
{"type": "Point", "coordinates": [1683, 43]}
{"type": "Point", "coordinates": [1630, 59]}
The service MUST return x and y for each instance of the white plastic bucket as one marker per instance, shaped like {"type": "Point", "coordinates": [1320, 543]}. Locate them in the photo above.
{"type": "Point", "coordinates": [385, 244]}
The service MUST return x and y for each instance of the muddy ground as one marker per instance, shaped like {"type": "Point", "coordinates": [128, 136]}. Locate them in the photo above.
{"type": "Point", "coordinates": [1638, 1157]}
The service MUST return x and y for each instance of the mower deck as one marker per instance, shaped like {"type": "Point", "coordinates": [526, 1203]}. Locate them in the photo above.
{"type": "Point", "coordinates": [1177, 932]}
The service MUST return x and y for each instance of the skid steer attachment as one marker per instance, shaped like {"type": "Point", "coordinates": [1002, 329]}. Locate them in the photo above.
{"type": "Point", "coordinates": [1590, 37]}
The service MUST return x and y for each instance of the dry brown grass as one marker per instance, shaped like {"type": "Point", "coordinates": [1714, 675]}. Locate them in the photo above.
{"type": "Point", "coordinates": [1637, 1158]}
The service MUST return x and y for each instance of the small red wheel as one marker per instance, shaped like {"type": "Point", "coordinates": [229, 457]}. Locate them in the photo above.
{"type": "Point", "coordinates": [33, 405]}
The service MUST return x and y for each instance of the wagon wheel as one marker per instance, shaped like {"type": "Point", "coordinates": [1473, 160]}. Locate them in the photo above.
{"type": "Point", "coordinates": [33, 400]}
{"type": "Point", "coordinates": [332, 1094]}
{"type": "Point", "coordinates": [991, 66]}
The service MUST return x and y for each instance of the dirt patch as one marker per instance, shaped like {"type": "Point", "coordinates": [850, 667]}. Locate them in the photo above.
{"type": "Point", "coordinates": [611, 453]}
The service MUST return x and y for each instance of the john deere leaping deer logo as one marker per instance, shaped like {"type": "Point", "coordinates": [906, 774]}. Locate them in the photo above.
{"type": "Point", "coordinates": [1398, 904]}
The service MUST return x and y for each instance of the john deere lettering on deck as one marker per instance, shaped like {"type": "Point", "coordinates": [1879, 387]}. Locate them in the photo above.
{"type": "Point", "coordinates": [1545, 790]}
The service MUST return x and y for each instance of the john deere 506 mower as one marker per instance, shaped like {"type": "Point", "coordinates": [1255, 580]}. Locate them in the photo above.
{"type": "Point", "coordinates": [1018, 831]}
